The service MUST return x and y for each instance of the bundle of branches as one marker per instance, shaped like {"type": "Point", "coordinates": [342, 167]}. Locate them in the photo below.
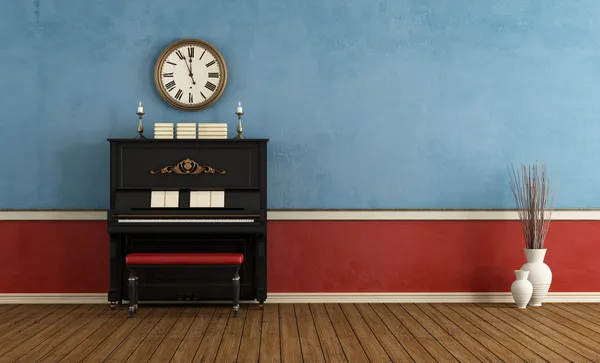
{"type": "Point", "coordinates": [530, 189]}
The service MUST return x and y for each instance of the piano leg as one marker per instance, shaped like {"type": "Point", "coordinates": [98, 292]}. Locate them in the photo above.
{"type": "Point", "coordinates": [236, 292]}
{"type": "Point", "coordinates": [261, 268]}
{"type": "Point", "coordinates": [114, 294]}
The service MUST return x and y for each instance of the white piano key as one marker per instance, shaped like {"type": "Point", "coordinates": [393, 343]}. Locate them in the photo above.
{"type": "Point", "coordinates": [172, 199]}
{"type": "Point", "coordinates": [157, 199]}
{"type": "Point", "coordinates": [199, 199]}
{"type": "Point", "coordinates": [217, 199]}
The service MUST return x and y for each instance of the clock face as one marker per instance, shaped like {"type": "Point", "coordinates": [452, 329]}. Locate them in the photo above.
{"type": "Point", "coordinates": [190, 74]}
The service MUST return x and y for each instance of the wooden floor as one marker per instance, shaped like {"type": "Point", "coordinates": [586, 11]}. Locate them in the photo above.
{"type": "Point", "coordinates": [301, 332]}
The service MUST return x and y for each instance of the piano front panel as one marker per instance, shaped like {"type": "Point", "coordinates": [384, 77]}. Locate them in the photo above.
{"type": "Point", "coordinates": [192, 167]}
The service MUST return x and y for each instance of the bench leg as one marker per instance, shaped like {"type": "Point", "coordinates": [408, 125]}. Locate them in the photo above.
{"type": "Point", "coordinates": [236, 292]}
{"type": "Point", "coordinates": [132, 293]}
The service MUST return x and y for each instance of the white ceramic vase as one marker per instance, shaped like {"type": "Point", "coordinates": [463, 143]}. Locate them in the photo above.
{"type": "Point", "coordinates": [521, 289]}
{"type": "Point", "coordinates": [540, 274]}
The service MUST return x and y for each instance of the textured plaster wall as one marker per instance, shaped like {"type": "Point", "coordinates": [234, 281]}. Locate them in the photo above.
{"type": "Point", "coordinates": [368, 104]}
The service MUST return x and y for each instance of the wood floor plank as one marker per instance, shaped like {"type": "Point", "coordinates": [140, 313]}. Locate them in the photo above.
{"type": "Point", "coordinates": [414, 348]}
{"type": "Point", "coordinates": [75, 340]}
{"type": "Point", "coordinates": [591, 327]}
{"type": "Point", "coordinates": [270, 345]}
{"type": "Point", "coordinates": [106, 347]}
{"type": "Point", "coordinates": [232, 337]}
{"type": "Point", "coordinates": [250, 343]}
{"type": "Point", "coordinates": [332, 349]}
{"type": "Point", "coordinates": [353, 350]}
{"type": "Point", "coordinates": [28, 346]}
{"type": "Point", "coordinates": [475, 347]}
{"type": "Point", "coordinates": [366, 338]}
{"type": "Point", "coordinates": [13, 318]}
{"type": "Point", "coordinates": [435, 348]}
{"type": "Point", "coordinates": [7, 307]}
{"type": "Point", "coordinates": [307, 331]}
{"type": "Point", "coordinates": [445, 339]}
{"type": "Point", "coordinates": [582, 310]}
{"type": "Point", "coordinates": [117, 318]}
{"type": "Point", "coordinates": [495, 333]}
{"type": "Point", "coordinates": [539, 349]}
{"type": "Point", "coordinates": [207, 351]}
{"type": "Point", "coordinates": [61, 330]}
{"type": "Point", "coordinates": [18, 336]}
{"type": "Point", "coordinates": [388, 341]}
{"type": "Point", "coordinates": [167, 347]}
{"type": "Point", "coordinates": [137, 335]}
{"type": "Point", "coordinates": [191, 341]}
{"type": "Point", "coordinates": [559, 332]}
{"type": "Point", "coordinates": [565, 326]}
{"type": "Point", "coordinates": [152, 341]}
{"type": "Point", "coordinates": [474, 331]}
{"type": "Point", "coordinates": [31, 320]}
{"type": "Point", "coordinates": [290, 341]}
{"type": "Point", "coordinates": [518, 323]}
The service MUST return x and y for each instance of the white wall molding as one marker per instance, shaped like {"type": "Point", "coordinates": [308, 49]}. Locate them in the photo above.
{"type": "Point", "coordinates": [323, 215]}
{"type": "Point", "coordinates": [283, 298]}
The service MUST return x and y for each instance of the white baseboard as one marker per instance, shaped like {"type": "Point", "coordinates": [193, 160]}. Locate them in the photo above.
{"type": "Point", "coordinates": [284, 298]}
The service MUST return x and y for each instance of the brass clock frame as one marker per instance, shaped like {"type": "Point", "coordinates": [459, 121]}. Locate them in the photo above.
{"type": "Point", "coordinates": [161, 60]}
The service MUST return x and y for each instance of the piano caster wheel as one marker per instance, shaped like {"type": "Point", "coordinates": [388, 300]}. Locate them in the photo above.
{"type": "Point", "coordinates": [261, 306]}
{"type": "Point", "coordinates": [113, 305]}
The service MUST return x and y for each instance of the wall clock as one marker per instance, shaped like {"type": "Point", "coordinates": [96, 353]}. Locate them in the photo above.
{"type": "Point", "coordinates": [190, 74]}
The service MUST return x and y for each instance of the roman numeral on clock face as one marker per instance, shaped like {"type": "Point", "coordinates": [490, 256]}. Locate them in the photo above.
{"type": "Point", "coordinates": [191, 52]}
{"type": "Point", "coordinates": [202, 94]}
{"type": "Point", "coordinates": [210, 63]}
{"type": "Point", "coordinates": [213, 75]}
{"type": "Point", "coordinates": [179, 54]}
{"type": "Point", "coordinates": [169, 75]}
{"type": "Point", "coordinates": [210, 86]}
{"type": "Point", "coordinates": [191, 98]}
{"type": "Point", "coordinates": [171, 63]}
{"type": "Point", "coordinates": [170, 86]}
{"type": "Point", "coordinates": [179, 94]}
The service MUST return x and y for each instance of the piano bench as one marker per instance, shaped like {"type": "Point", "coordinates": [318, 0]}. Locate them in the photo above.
{"type": "Point", "coordinates": [231, 260]}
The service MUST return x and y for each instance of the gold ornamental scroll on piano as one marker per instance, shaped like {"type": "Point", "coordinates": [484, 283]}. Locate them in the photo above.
{"type": "Point", "coordinates": [189, 167]}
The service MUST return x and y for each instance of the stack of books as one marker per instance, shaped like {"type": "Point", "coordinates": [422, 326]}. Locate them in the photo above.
{"type": "Point", "coordinates": [214, 130]}
{"type": "Point", "coordinates": [186, 130]}
{"type": "Point", "coordinates": [163, 130]}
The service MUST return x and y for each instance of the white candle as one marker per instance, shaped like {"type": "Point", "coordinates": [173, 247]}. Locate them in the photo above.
{"type": "Point", "coordinates": [140, 108]}
{"type": "Point", "coordinates": [239, 108]}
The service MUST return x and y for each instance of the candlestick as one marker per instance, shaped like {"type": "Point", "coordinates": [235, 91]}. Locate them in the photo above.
{"type": "Point", "coordinates": [239, 112]}
{"type": "Point", "coordinates": [140, 113]}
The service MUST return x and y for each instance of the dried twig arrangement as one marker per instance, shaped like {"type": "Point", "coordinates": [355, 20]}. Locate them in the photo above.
{"type": "Point", "coordinates": [530, 190]}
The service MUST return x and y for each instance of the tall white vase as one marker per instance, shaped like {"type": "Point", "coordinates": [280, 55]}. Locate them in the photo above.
{"type": "Point", "coordinates": [521, 289]}
{"type": "Point", "coordinates": [540, 274]}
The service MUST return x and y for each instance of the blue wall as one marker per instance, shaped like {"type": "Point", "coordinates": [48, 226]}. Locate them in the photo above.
{"type": "Point", "coordinates": [368, 104]}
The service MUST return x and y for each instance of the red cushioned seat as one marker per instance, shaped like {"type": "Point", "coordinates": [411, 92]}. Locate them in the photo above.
{"type": "Point", "coordinates": [184, 259]}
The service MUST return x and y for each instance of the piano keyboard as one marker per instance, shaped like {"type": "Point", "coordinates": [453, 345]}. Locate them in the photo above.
{"type": "Point", "coordinates": [190, 220]}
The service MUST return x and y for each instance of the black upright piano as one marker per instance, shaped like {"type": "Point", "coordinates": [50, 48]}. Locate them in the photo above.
{"type": "Point", "coordinates": [188, 196]}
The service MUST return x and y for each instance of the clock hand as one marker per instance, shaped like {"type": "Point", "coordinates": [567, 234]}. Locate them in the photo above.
{"type": "Point", "coordinates": [189, 70]}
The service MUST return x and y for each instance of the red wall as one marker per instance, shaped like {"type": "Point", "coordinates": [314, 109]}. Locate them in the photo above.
{"type": "Point", "coordinates": [325, 256]}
